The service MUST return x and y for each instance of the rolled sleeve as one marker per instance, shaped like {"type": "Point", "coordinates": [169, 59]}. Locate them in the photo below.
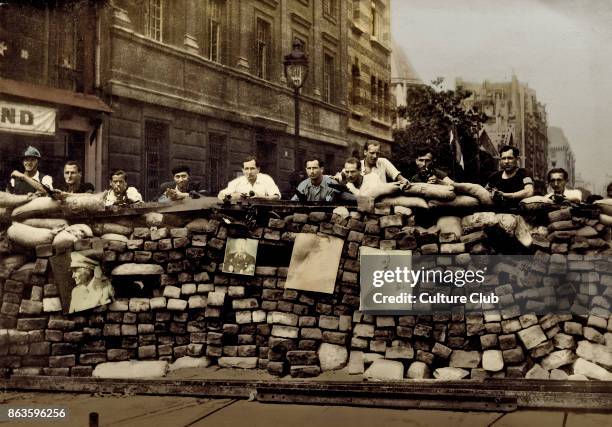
{"type": "Point", "coordinates": [390, 170]}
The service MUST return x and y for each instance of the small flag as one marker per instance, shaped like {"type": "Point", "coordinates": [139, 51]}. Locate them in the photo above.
{"type": "Point", "coordinates": [456, 147]}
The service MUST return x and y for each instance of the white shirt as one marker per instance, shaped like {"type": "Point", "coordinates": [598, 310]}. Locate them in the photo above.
{"type": "Point", "coordinates": [110, 199]}
{"type": "Point", "coordinates": [264, 186]}
{"type": "Point", "coordinates": [383, 168]}
{"type": "Point", "coordinates": [47, 180]}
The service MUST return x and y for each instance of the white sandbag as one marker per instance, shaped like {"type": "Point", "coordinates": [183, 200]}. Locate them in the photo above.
{"type": "Point", "coordinates": [29, 237]}
{"type": "Point", "coordinates": [604, 205]}
{"type": "Point", "coordinates": [474, 190]}
{"type": "Point", "coordinates": [536, 203]}
{"type": "Point", "coordinates": [71, 234]}
{"type": "Point", "coordinates": [39, 207]}
{"type": "Point", "coordinates": [8, 200]}
{"type": "Point", "coordinates": [507, 222]}
{"type": "Point", "coordinates": [377, 189]}
{"type": "Point", "coordinates": [49, 223]}
{"type": "Point", "coordinates": [479, 220]}
{"type": "Point", "coordinates": [431, 191]}
{"type": "Point", "coordinates": [449, 226]}
{"type": "Point", "coordinates": [131, 369]}
{"type": "Point", "coordinates": [109, 227]}
{"type": "Point", "coordinates": [522, 232]}
{"type": "Point", "coordinates": [134, 269]}
{"type": "Point", "coordinates": [13, 262]}
{"type": "Point", "coordinates": [153, 219]}
{"type": "Point", "coordinates": [605, 219]}
{"type": "Point", "coordinates": [83, 203]}
{"type": "Point", "coordinates": [460, 201]}
{"type": "Point", "coordinates": [405, 201]}
{"type": "Point", "coordinates": [116, 237]}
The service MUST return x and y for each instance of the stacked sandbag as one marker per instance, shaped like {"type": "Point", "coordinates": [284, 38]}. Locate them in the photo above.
{"type": "Point", "coordinates": [11, 201]}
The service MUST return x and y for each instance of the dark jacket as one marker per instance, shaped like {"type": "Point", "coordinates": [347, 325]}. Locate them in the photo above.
{"type": "Point", "coordinates": [191, 186]}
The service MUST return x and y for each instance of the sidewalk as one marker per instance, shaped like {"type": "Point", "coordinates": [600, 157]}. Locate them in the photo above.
{"type": "Point", "coordinates": [148, 411]}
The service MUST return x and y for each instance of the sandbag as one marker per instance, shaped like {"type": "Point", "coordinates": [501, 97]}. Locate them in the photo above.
{"type": "Point", "coordinates": [116, 237]}
{"type": "Point", "coordinates": [39, 207]}
{"type": "Point", "coordinates": [405, 201]}
{"type": "Point", "coordinates": [450, 226]}
{"type": "Point", "coordinates": [460, 201]}
{"type": "Point", "coordinates": [474, 190]}
{"type": "Point", "coordinates": [479, 220]}
{"type": "Point", "coordinates": [83, 203]}
{"type": "Point", "coordinates": [71, 234]}
{"type": "Point", "coordinates": [153, 219]}
{"type": "Point", "coordinates": [605, 219]}
{"type": "Point", "coordinates": [536, 203]}
{"type": "Point", "coordinates": [605, 206]}
{"type": "Point", "coordinates": [49, 223]}
{"type": "Point", "coordinates": [29, 237]}
{"type": "Point", "coordinates": [522, 232]}
{"type": "Point", "coordinates": [377, 190]}
{"type": "Point", "coordinates": [8, 200]}
{"type": "Point", "coordinates": [431, 191]}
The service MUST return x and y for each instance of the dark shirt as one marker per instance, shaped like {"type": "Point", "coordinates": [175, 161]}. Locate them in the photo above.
{"type": "Point", "coordinates": [421, 178]}
{"type": "Point", "coordinates": [85, 187]}
{"type": "Point", "coordinates": [510, 185]}
{"type": "Point", "coordinates": [191, 186]}
{"type": "Point", "coordinates": [21, 187]}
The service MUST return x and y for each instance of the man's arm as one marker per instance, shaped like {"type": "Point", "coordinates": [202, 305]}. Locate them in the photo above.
{"type": "Point", "coordinates": [133, 195]}
{"type": "Point", "coordinates": [523, 194]}
{"type": "Point", "coordinates": [271, 189]}
{"type": "Point", "coordinates": [392, 172]}
{"type": "Point", "coordinates": [35, 184]}
{"type": "Point", "coordinates": [229, 190]}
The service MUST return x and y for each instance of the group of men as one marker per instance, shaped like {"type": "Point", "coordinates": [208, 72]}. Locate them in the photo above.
{"type": "Point", "coordinates": [508, 186]}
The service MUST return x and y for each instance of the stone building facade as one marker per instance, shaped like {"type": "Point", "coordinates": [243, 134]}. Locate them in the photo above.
{"type": "Point", "coordinates": [48, 86]}
{"type": "Point", "coordinates": [560, 154]}
{"type": "Point", "coordinates": [369, 73]}
{"type": "Point", "coordinates": [513, 107]}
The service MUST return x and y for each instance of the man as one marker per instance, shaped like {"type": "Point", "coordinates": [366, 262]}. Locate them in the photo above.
{"type": "Point", "coordinates": [363, 185]}
{"type": "Point", "coordinates": [119, 194]}
{"type": "Point", "coordinates": [251, 184]}
{"type": "Point", "coordinates": [426, 172]}
{"type": "Point", "coordinates": [380, 166]}
{"type": "Point", "coordinates": [181, 187]}
{"type": "Point", "coordinates": [92, 288]}
{"type": "Point", "coordinates": [557, 179]}
{"type": "Point", "coordinates": [31, 179]}
{"type": "Point", "coordinates": [316, 187]}
{"type": "Point", "coordinates": [511, 184]}
{"type": "Point", "coordinates": [239, 261]}
{"type": "Point", "coordinates": [73, 180]}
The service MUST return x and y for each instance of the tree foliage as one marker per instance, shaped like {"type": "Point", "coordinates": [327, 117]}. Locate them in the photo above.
{"type": "Point", "coordinates": [431, 113]}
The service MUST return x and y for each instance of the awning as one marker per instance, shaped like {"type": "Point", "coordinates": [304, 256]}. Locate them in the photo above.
{"type": "Point", "coordinates": [53, 95]}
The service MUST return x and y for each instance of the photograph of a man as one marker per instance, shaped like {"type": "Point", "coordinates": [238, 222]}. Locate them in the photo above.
{"type": "Point", "coordinates": [240, 256]}
{"type": "Point", "coordinates": [92, 287]}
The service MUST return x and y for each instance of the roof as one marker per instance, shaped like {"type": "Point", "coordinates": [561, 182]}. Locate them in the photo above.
{"type": "Point", "coordinates": [53, 95]}
{"type": "Point", "coordinates": [499, 135]}
{"type": "Point", "coordinates": [401, 68]}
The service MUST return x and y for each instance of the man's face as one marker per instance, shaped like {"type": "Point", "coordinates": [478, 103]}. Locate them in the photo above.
{"type": "Point", "coordinates": [425, 161]}
{"type": "Point", "coordinates": [371, 154]}
{"type": "Point", "coordinates": [182, 180]}
{"type": "Point", "coordinates": [118, 184]}
{"type": "Point", "coordinates": [80, 275]}
{"type": "Point", "coordinates": [30, 164]}
{"type": "Point", "coordinates": [314, 171]}
{"type": "Point", "coordinates": [557, 182]}
{"type": "Point", "coordinates": [240, 245]}
{"type": "Point", "coordinates": [72, 176]}
{"type": "Point", "coordinates": [509, 161]}
{"type": "Point", "coordinates": [351, 172]}
{"type": "Point", "coordinates": [250, 170]}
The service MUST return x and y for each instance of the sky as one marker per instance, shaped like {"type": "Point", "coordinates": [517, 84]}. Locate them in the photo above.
{"type": "Point", "coordinates": [561, 48]}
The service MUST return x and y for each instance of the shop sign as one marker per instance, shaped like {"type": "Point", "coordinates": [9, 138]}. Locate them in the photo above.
{"type": "Point", "coordinates": [22, 118]}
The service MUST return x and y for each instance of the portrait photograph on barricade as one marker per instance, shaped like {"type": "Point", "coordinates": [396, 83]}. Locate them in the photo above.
{"type": "Point", "coordinates": [391, 212]}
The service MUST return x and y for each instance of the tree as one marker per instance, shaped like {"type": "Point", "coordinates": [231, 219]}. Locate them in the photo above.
{"type": "Point", "coordinates": [432, 112]}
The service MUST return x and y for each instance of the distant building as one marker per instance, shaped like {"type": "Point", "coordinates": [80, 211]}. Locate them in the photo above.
{"type": "Point", "coordinates": [585, 186]}
{"type": "Point", "coordinates": [560, 154]}
{"type": "Point", "coordinates": [403, 76]}
{"type": "Point", "coordinates": [514, 114]}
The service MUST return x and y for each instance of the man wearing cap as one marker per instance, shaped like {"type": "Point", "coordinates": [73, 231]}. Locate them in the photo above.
{"type": "Point", "coordinates": [31, 179]}
{"type": "Point", "coordinates": [92, 287]}
{"type": "Point", "coordinates": [181, 187]}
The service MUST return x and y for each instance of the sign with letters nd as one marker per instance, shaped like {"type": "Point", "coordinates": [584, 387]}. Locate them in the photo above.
{"type": "Point", "coordinates": [30, 119]}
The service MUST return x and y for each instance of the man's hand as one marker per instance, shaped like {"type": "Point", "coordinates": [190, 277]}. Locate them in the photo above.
{"type": "Point", "coordinates": [432, 179]}
{"type": "Point", "coordinates": [17, 175]}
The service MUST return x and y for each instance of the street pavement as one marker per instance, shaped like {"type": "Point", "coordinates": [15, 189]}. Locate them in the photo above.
{"type": "Point", "coordinates": [167, 411]}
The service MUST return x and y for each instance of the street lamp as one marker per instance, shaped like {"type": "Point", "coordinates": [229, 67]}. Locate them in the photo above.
{"type": "Point", "coordinates": [296, 72]}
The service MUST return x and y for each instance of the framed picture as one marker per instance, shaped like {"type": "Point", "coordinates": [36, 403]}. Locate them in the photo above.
{"type": "Point", "coordinates": [240, 256]}
{"type": "Point", "coordinates": [82, 284]}
{"type": "Point", "coordinates": [314, 263]}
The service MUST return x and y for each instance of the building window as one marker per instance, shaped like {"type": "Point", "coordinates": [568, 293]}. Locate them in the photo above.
{"type": "Point", "coordinates": [328, 77]}
{"type": "Point", "coordinates": [387, 101]}
{"type": "Point", "coordinates": [217, 178]}
{"type": "Point", "coordinates": [263, 48]}
{"type": "Point", "coordinates": [373, 101]}
{"type": "Point", "coordinates": [356, 10]}
{"type": "Point", "coordinates": [214, 29]}
{"type": "Point", "coordinates": [355, 76]}
{"type": "Point", "coordinates": [376, 21]}
{"type": "Point", "coordinates": [153, 19]}
{"type": "Point", "coordinates": [329, 8]}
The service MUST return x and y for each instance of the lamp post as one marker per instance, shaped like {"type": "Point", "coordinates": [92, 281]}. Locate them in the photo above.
{"type": "Point", "coordinates": [296, 72]}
